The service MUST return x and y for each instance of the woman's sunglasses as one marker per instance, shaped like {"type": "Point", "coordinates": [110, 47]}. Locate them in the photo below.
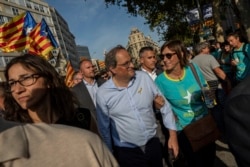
{"type": "Point", "coordinates": [167, 55]}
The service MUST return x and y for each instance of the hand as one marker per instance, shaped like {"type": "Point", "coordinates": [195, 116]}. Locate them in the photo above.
{"type": "Point", "coordinates": [234, 62]}
{"type": "Point", "coordinates": [159, 102]}
{"type": "Point", "coordinates": [173, 143]}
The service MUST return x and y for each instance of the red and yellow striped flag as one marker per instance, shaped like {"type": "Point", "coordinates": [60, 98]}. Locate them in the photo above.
{"type": "Point", "coordinates": [69, 73]}
{"type": "Point", "coordinates": [13, 35]}
{"type": "Point", "coordinates": [41, 40]}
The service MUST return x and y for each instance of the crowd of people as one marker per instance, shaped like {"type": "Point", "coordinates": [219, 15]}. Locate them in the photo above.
{"type": "Point", "coordinates": [125, 116]}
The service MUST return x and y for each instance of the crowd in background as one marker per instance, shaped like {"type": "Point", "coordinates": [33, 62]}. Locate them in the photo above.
{"type": "Point", "coordinates": [128, 110]}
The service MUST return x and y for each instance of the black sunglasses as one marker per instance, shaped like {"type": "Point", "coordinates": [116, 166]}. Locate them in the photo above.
{"type": "Point", "coordinates": [168, 55]}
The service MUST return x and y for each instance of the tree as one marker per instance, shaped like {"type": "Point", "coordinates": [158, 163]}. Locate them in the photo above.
{"type": "Point", "coordinates": [168, 17]}
{"type": "Point", "coordinates": [241, 10]}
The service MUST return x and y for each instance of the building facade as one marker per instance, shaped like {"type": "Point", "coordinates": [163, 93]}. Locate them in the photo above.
{"type": "Point", "coordinates": [136, 41]}
{"type": "Point", "coordinates": [82, 52]}
{"type": "Point", "coordinates": [10, 9]}
{"type": "Point", "coordinates": [64, 37]}
{"type": "Point", "coordinates": [40, 9]}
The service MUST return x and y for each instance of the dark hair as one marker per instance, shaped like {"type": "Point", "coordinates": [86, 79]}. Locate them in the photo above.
{"type": "Point", "coordinates": [61, 98]}
{"type": "Point", "coordinates": [234, 34]}
{"type": "Point", "coordinates": [110, 58]}
{"type": "Point", "coordinates": [146, 48]}
{"type": "Point", "coordinates": [178, 47]}
{"type": "Point", "coordinates": [225, 43]}
{"type": "Point", "coordinates": [238, 34]}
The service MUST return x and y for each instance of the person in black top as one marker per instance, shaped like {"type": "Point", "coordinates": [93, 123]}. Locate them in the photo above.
{"type": "Point", "coordinates": [236, 118]}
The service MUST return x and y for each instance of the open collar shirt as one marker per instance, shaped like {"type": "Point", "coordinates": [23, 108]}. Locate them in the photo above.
{"type": "Point", "coordinates": [92, 89]}
{"type": "Point", "coordinates": [152, 74]}
{"type": "Point", "coordinates": [125, 114]}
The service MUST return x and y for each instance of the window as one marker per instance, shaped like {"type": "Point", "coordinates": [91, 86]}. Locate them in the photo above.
{"type": "Point", "coordinates": [41, 8]}
{"type": "Point", "coordinates": [52, 62]}
{"type": "Point", "coordinates": [15, 11]}
{"type": "Point", "coordinates": [2, 62]}
{"type": "Point", "coordinates": [28, 4]}
{"type": "Point", "coordinates": [1, 19]}
{"type": "Point", "coordinates": [36, 7]}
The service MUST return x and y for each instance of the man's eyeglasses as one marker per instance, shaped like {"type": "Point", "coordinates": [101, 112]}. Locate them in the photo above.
{"type": "Point", "coordinates": [24, 81]}
{"type": "Point", "coordinates": [167, 55]}
{"type": "Point", "coordinates": [126, 64]}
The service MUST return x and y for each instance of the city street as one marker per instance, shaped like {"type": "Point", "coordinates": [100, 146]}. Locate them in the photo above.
{"type": "Point", "coordinates": [224, 157]}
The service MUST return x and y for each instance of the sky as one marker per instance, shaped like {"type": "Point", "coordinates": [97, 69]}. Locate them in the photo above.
{"type": "Point", "coordinates": [98, 27]}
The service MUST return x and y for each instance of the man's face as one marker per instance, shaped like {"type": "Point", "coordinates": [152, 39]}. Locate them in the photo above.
{"type": "Point", "coordinates": [78, 78]}
{"type": "Point", "coordinates": [233, 41]}
{"type": "Point", "coordinates": [217, 45]}
{"type": "Point", "coordinates": [124, 68]}
{"type": "Point", "coordinates": [227, 48]}
{"type": "Point", "coordinates": [148, 60]}
{"type": "Point", "coordinates": [87, 69]}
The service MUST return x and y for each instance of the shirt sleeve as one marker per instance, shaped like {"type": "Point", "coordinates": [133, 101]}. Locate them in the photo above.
{"type": "Point", "coordinates": [168, 116]}
{"type": "Point", "coordinates": [214, 62]}
{"type": "Point", "coordinates": [103, 121]}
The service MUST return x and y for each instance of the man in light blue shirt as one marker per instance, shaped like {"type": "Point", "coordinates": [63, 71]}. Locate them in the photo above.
{"type": "Point", "coordinates": [125, 113]}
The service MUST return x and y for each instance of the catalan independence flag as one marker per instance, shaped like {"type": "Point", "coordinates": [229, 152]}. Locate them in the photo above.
{"type": "Point", "coordinates": [42, 40]}
{"type": "Point", "coordinates": [13, 35]}
{"type": "Point", "coordinates": [69, 73]}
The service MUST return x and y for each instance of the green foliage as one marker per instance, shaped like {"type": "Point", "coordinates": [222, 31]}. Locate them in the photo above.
{"type": "Point", "coordinates": [166, 16]}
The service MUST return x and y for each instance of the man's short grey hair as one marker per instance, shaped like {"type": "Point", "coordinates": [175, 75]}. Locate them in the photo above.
{"type": "Point", "coordinates": [200, 46]}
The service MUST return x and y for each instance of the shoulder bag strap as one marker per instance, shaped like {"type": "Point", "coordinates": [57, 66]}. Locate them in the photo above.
{"type": "Point", "coordinates": [195, 74]}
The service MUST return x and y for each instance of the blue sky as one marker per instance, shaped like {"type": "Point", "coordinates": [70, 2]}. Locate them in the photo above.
{"type": "Point", "coordinates": [98, 27]}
